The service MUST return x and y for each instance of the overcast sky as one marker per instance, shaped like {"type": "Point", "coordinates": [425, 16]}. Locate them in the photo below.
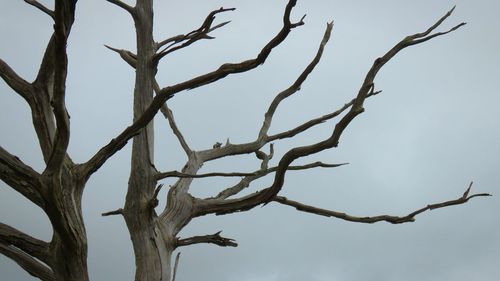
{"type": "Point", "coordinates": [435, 128]}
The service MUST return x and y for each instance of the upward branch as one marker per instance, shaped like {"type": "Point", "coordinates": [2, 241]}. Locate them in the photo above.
{"type": "Point", "coordinates": [64, 17]}
{"type": "Point", "coordinates": [264, 196]}
{"type": "Point", "coordinates": [166, 93]}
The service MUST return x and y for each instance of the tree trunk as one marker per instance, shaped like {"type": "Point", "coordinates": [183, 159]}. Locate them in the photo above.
{"type": "Point", "coordinates": [152, 248]}
{"type": "Point", "coordinates": [68, 247]}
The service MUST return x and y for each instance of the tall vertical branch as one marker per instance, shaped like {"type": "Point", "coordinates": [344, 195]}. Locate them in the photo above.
{"type": "Point", "coordinates": [64, 17]}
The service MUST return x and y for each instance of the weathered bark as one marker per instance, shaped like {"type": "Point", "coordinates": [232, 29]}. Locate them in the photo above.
{"type": "Point", "coordinates": [58, 190]}
{"type": "Point", "coordinates": [68, 247]}
{"type": "Point", "coordinates": [151, 248]}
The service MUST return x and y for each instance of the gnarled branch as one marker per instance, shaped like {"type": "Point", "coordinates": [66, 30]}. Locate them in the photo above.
{"type": "Point", "coordinates": [373, 219]}
{"type": "Point", "coordinates": [367, 88]}
{"type": "Point", "coordinates": [166, 93]}
{"type": "Point", "coordinates": [210, 239]}
{"type": "Point", "coordinates": [191, 37]}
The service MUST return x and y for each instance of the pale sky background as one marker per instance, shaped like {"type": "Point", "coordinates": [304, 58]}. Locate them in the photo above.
{"type": "Point", "coordinates": [435, 127]}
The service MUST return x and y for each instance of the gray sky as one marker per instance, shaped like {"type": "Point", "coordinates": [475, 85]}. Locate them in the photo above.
{"type": "Point", "coordinates": [435, 127]}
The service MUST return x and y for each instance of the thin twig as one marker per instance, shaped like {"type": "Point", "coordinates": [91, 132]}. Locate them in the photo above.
{"type": "Point", "coordinates": [373, 219]}
{"type": "Point", "coordinates": [176, 264]}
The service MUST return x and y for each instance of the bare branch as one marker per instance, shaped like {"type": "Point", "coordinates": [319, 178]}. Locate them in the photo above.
{"type": "Point", "coordinates": [20, 177]}
{"type": "Point", "coordinates": [126, 55]}
{"type": "Point", "coordinates": [112, 213]}
{"type": "Point", "coordinates": [64, 18]}
{"type": "Point", "coordinates": [121, 4]}
{"type": "Point", "coordinates": [166, 93]}
{"type": "Point", "coordinates": [262, 138]}
{"type": "Point", "coordinates": [211, 239]}
{"type": "Point", "coordinates": [31, 265]}
{"type": "Point", "coordinates": [191, 37]}
{"type": "Point", "coordinates": [391, 219]}
{"type": "Point", "coordinates": [31, 246]}
{"type": "Point", "coordinates": [266, 195]}
{"type": "Point", "coordinates": [15, 82]}
{"type": "Point", "coordinates": [313, 122]}
{"type": "Point", "coordinates": [296, 85]}
{"type": "Point", "coordinates": [167, 113]}
{"type": "Point", "coordinates": [41, 7]}
{"type": "Point", "coordinates": [245, 182]}
{"type": "Point", "coordinates": [177, 174]}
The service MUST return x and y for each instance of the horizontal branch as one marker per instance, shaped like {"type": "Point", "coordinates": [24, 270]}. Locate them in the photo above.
{"type": "Point", "coordinates": [210, 239]}
{"type": "Point", "coordinates": [262, 138]}
{"type": "Point", "coordinates": [20, 177]}
{"type": "Point", "coordinates": [41, 7]}
{"type": "Point", "coordinates": [387, 218]}
{"type": "Point", "coordinates": [166, 93]}
{"type": "Point", "coordinates": [31, 246]}
{"type": "Point", "coordinates": [177, 174]}
{"type": "Point", "coordinates": [28, 263]}
{"type": "Point", "coordinates": [113, 213]}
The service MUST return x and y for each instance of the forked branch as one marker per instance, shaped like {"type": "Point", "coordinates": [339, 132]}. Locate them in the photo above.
{"type": "Point", "coordinates": [166, 93]}
{"type": "Point", "coordinates": [367, 88]}
{"type": "Point", "coordinates": [387, 218]}
{"type": "Point", "coordinates": [191, 37]}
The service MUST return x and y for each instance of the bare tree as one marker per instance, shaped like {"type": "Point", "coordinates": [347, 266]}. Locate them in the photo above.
{"type": "Point", "coordinates": [58, 189]}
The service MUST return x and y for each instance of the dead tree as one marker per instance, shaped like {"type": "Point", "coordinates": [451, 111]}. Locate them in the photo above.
{"type": "Point", "coordinates": [58, 189]}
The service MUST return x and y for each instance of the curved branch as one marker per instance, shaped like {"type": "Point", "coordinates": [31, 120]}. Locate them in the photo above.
{"type": "Point", "coordinates": [31, 246]}
{"type": "Point", "coordinates": [387, 218]}
{"type": "Point", "coordinates": [41, 7]}
{"type": "Point", "coordinates": [15, 82]}
{"type": "Point", "coordinates": [64, 18]}
{"type": "Point", "coordinates": [121, 4]}
{"type": "Point", "coordinates": [266, 195]}
{"type": "Point", "coordinates": [166, 93]}
{"type": "Point", "coordinates": [191, 37]}
{"type": "Point", "coordinates": [31, 265]}
{"type": "Point", "coordinates": [262, 138]}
